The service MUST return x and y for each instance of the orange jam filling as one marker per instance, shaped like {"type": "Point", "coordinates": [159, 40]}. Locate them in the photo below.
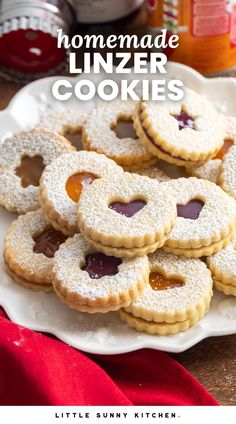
{"type": "Point", "coordinates": [30, 170]}
{"type": "Point", "coordinates": [159, 282]}
{"type": "Point", "coordinates": [224, 149]}
{"type": "Point", "coordinates": [77, 182]}
{"type": "Point", "coordinates": [49, 242]}
{"type": "Point", "coordinates": [125, 129]}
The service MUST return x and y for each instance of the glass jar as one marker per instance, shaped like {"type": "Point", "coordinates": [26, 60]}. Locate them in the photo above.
{"type": "Point", "coordinates": [207, 32]}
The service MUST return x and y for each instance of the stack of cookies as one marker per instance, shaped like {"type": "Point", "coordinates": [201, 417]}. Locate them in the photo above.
{"type": "Point", "coordinates": [106, 229]}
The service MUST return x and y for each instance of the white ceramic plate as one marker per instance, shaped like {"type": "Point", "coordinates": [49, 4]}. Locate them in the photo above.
{"type": "Point", "coordinates": [104, 334]}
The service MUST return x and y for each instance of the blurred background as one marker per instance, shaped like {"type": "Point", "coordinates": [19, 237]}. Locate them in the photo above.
{"type": "Point", "coordinates": [28, 31]}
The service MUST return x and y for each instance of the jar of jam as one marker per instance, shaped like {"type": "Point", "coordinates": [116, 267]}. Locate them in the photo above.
{"type": "Point", "coordinates": [28, 37]}
{"type": "Point", "coordinates": [207, 32]}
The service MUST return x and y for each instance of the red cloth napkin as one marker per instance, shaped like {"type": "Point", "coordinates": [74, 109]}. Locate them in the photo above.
{"type": "Point", "coordinates": [40, 370]}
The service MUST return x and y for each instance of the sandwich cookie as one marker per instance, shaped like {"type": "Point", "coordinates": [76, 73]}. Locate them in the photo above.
{"type": "Point", "coordinates": [90, 281]}
{"type": "Point", "coordinates": [29, 248]}
{"type": "Point", "coordinates": [178, 295]}
{"type": "Point", "coordinates": [227, 174]}
{"type": "Point", "coordinates": [223, 268]}
{"type": "Point", "coordinates": [153, 172]}
{"type": "Point", "coordinates": [127, 215]}
{"type": "Point", "coordinates": [211, 169]}
{"type": "Point", "coordinates": [23, 158]}
{"type": "Point", "coordinates": [206, 218]}
{"type": "Point", "coordinates": [63, 181]}
{"type": "Point", "coordinates": [186, 133]}
{"type": "Point", "coordinates": [109, 130]}
{"type": "Point", "coordinates": [68, 123]}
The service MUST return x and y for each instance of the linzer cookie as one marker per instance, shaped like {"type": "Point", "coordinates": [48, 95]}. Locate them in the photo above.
{"type": "Point", "coordinates": [153, 172]}
{"type": "Point", "coordinates": [91, 281]}
{"type": "Point", "coordinates": [206, 217]}
{"type": "Point", "coordinates": [63, 181]}
{"type": "Point", "coordinates": [223, 268]}
{"type": "Point", "coordinates": [29, 248]}
{"type": "Point", "coordinates": [109, 130]}
{"type": "Point", "coordinates": [127, 215]}
{"type": "Point", "coordinates": [186, 133]}
{"type": "Point", "coordinates": [177, 296]}
{"type": "Point", "coordinates": [211, 170]}
{"type": "Point", "coordinates": [227, 175]}
{"type": "Point", "coordinates": [23, 158]}
{"type": "Point", "coordinates": [66, 122]}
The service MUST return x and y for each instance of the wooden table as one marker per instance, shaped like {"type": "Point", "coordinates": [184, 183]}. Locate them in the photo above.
{"type": "Point", "coordinates": [213, 361]}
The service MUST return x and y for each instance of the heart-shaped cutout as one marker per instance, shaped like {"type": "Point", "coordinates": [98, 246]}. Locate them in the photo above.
{"type": "Point", "coordinates": [159, 281]}
{"type": "Point", "coordinates": [191, 210]}
{"type": "Point", "coordinates": [184, 120]}
{"type": "Point", "coordinates": [128, 209]}
{"type": "Point", "coordinates": [99, 265]}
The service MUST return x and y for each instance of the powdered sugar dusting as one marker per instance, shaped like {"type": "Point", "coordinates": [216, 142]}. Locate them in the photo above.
{"type": "Point", "coordinates": [19, 244]}
{"type": "Point", "coordinates": [55, 176]}
{"type": "Point", "coordinates": [153, 172]}
{"type": "Point", "coordinates": [46, 144]}
{"type": "Point", "coordinates": [197, 284]}
{"type": "Point", "coordinates": [36, 310]}
{"type": "Point", "coordinates": [216, 217]}
{"type": "Point", "coordinates": [100, 136]}
{"type": "Point", "coordinates": [69, 121]}
{"type": "Point", "coordinates": [227, 178]}
{"type": "Point", "coordinates": [210, 171]}
{"type": "Point", "coordinates": [225, 262]}
{"type": "Point", "coordinates": [208, 123]}
{"type": "Point", "coordinates": [94, 213]}
{"type": "Point", "coordinates": [67, 270]}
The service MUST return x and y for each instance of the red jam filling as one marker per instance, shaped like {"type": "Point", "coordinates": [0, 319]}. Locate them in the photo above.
{"type": "Point", "coordinates": [184, 120]}
{"type": "Point", "coordinates": [157, 145]}
{"type": "Point", "coordinates": [191, 210]}
{"type": "Point", "coordinates": [128, 209]}
{"type": "Point", "coordinates": [159, 282]}
{"type": "Point", "coordinates": [30, 170]}
{"type": "Point", "coordinates": [49, 242]}
{"type": "Point", "coordinates": [77, 182]}
{"type": "Point", "coordinates": [125, 129]}
{"type": "Point", "coordinates": [99, 265]}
